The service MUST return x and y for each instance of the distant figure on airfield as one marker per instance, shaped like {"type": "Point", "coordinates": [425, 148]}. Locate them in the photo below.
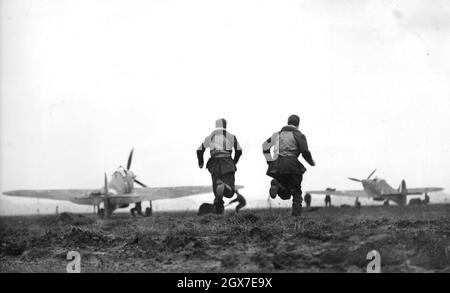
{"type": "Point", "coordinates": [240, 200]}
{"type": "Point", "coordinates": [221, 166]}
{"type": "Point", "coordinates": [137, 209]}
{"type": "Point", "coordinates": [149, 210]}
{"type": "Point", "coordinates": [328, 201]}
{"type": "Point", "coordinates": [284, 167]}
{"type": "Point", "coordinates": [418, 201]}
{"type": "Point", "coordinates": [427, 199]}
{"type": "Point", "coordinates": [308, 200]}
{"type": "Point", "coordinates": [357, 203]}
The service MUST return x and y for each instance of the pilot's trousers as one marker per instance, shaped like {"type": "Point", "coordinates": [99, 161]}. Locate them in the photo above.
{"type": "Point", "coordinates": [240, 206]}
{"type": "Point", "coordinates": [228, 179]}
{"type": "Point", "coordinates": [222, 169]}
{"type": "Point", "coordinates": [291, 184]}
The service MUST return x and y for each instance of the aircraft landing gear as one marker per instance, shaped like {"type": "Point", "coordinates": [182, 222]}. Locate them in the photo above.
{"type": "Point", "coordinates": [149, 210]}
{"type": "Point", "coordinates": [138, 208]}
{"type": "Point", "coordinates": [101, 213]}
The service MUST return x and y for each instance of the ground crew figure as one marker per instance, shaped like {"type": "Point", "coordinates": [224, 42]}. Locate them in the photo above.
{"type": "Point", "coordinates": [357, 203]}
{"type": "Point", "coordinates": [240, 200]}
{"type": "Point", "coordinates": [221, 166]}
{"type": "Point", "coordinates": [284, 166]}
{"type": "Point", "coordinates": [427, 199]}
{"type": "Point", "coordinates": [308, 200]}
{"type": "Point", "coordinates": [137, 208]}
{"type": "Point", "coordinates": [327, 200]}
{"type": "Point", "coordinates": [149, 210]}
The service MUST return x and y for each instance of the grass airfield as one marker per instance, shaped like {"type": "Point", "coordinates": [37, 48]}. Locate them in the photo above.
{"type": "Point", "coordinates": [409, 239]}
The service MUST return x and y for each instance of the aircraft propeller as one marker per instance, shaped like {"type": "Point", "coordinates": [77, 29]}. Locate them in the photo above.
{"type": "Point", "coordinates": [373, 172]}
{"type": "Point", "coordinates": [359, 180]}
{"type": "Point", "coordinates": [105, 190]}
{"type": "Point", "coordinates": [130, 159]}
{"type": "Point", "coordinates": [140, 183]}
{"type": "Point", "coordinates": [105, 196]}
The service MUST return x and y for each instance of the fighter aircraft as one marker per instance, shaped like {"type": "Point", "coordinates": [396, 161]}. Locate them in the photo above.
{"type": "Point", "coordinates": [119, 192]}
{"type": "Point", "coordinates": [379, 190]}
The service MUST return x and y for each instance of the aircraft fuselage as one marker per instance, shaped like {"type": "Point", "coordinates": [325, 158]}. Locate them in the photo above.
{"type": "Point", "coordinates": [380, 190]}
{"type": "Point", "coordinates": [376, 188]}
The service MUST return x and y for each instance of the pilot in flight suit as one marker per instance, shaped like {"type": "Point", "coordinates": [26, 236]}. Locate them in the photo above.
{"type": "Point", "coordinates": [285, 167]}
{"type": "Point", "coordinates": [221, 166]}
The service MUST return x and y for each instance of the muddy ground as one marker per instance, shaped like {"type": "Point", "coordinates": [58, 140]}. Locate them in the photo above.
{"type": "Point", "coordinates": [409, 239]}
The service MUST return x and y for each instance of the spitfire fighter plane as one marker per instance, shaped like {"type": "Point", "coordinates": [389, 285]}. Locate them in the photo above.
{"type": "Point", "coordinates": [119, 192]}
{"type": "Point", "coordinates": [379, 190]}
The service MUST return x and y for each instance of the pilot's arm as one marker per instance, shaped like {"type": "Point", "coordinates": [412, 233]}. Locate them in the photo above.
{"type": "Point", "coordinates": [201, 150]}
{"type": "Point", "coordinates": [237, 150]}
{"type": "Point", "coordinates": [303, 147]}
{"type": "Point", "coordinates": [266, 146]}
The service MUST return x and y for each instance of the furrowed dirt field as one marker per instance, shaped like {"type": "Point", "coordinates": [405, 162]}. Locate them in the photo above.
{"type": "Point", "coordinates": [409, 239]}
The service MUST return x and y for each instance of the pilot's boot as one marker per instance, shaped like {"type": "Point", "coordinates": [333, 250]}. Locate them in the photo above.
{"type": "Point", "coordinates": [276, 188]}
{"type": "Point", "coordinates": [297, 204]}
{"type": "Point", "coordinates": [283, 193]}
{"type": "Point", "coordinates": [218, 206]}
{"type": "Point", "coordinates": [239, 206]}
{"type": "Point", "coordinates": [296, 209]}
{"type": "Point", "coordinates": [273, 191]}
{"type": "Point", "coordinates": [219, 209]}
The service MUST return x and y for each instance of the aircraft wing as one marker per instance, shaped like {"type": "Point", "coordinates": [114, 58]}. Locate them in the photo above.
{"type": "Point", "coordinates": [55, 194]}
{"type": "Point", "coordinates": [411, 191]}
{"type": "Point", "coordinates": [155, 193]}
{"type": "Point", "coordinates": [348, 193]}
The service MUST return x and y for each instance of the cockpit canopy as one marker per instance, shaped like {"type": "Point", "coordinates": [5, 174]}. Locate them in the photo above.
{"type": "Point", "coordinates": [124, 173]}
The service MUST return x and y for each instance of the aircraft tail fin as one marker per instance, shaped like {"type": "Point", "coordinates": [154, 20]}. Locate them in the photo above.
{"type": "Point", "coordinates": [402, 188]}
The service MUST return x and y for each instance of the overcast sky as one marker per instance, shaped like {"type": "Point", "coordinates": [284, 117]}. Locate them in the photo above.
{"type": "Point", "coordinates": [84, 81]}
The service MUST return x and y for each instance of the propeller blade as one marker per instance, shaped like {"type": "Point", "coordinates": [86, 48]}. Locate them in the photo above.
{"type": "Point", "coordinates": [106, 187]}
{"type": "Point", "coordinates": [354, 179]}
{"type": "Point", "coordinates": [373, 172]}
{"type": "Point", "coordinates": [106, 205]}
{"type": "Point", "coordinates": [140, 183]}
{"type": "Point", "coordinates": [130, 158]}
